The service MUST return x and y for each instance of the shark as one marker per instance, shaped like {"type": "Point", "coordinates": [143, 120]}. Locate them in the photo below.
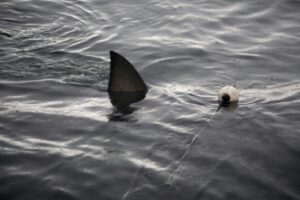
{"type": "Point", "coordinates": [125, 85]}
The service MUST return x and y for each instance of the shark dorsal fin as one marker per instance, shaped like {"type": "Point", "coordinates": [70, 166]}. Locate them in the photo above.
{"type": "Point", "coordinates": [123, 76]}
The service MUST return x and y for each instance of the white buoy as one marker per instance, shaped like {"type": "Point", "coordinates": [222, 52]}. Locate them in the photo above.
{"type": "Point", "coordinates": [228, 94]}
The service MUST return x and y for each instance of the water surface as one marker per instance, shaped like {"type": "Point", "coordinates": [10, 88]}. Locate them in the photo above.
{"type": "Point", "coordinates": [60, 137]}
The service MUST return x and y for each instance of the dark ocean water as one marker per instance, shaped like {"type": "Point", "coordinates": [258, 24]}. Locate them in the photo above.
{"type": "Point", "coordinates": [60, 137]}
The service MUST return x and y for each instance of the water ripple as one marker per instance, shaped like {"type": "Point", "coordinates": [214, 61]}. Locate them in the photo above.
{"type": "Point", "coordinates": [61, 138]}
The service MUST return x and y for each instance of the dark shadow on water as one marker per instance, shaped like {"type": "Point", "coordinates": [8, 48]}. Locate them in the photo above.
{"type": "Point", "coordinates": [5, 34]}
{"type": "Point", "coordinates": [121, 102]}
{"type": "Point", "coordinates": [123, 114]}
{"type": "Point", "coordinates": [228, 106]}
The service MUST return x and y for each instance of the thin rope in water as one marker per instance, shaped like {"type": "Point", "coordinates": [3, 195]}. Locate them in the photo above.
{"type": "Point", "coordinates": [190, 145]}
{"type": "Point", "coordinates": [174, 172]}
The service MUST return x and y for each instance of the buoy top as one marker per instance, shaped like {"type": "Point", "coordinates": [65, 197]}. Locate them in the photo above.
{"type": "Point", "coordinates": [228, 94]}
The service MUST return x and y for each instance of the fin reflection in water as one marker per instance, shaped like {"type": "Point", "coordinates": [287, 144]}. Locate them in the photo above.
{"type": "Point", "coordinates": [125, 85]}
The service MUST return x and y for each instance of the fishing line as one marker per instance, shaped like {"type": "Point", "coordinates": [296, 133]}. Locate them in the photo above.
{"type": "Point", "coordinates": [233, 95]}
{"type": "Point", "coordinates": [179, 162]}
{"type": "Point", "coordinates": [190, 145]}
